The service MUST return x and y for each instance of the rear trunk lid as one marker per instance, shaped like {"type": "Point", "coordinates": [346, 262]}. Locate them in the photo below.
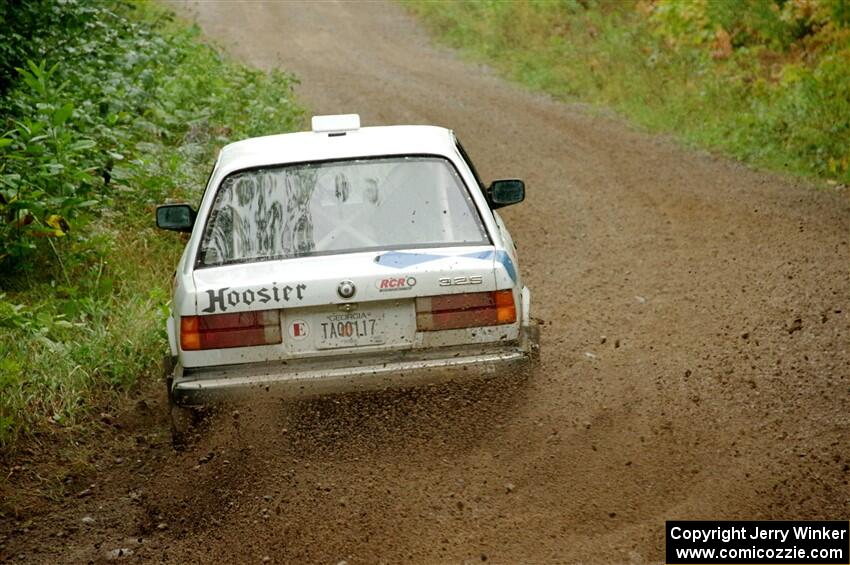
{"type": "Point", "coordinates": [316, 317]}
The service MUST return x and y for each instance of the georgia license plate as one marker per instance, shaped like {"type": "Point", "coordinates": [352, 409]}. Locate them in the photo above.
{"type": "Point", "coordinates": [350, 329]}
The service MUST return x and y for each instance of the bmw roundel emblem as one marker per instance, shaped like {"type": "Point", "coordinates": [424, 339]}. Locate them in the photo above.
{"type": "Point", "coordinates": [346, 289]}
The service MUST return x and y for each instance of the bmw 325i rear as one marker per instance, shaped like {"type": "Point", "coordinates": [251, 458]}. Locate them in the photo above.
{"type": "Point", "coordinates": [342, 259]}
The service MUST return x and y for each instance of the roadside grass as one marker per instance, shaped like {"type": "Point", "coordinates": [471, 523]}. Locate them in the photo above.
{"type": "Point", "coordinates": [762, 81]}
{"type": "Point", "coordinates": [107, 124]}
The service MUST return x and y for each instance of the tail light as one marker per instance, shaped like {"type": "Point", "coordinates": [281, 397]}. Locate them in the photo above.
{"type": "Point", "coordinates": [455, 311]}
{"type": "Point", "coordinates": [220, 331]}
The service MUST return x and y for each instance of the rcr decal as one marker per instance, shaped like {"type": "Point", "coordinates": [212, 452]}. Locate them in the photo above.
{"type": "Point", "coordinates": [460, 281]}
{"type": "Point", "coordinates": [224, 298]}
{"type": "Point", "coordinates": [395, 283]}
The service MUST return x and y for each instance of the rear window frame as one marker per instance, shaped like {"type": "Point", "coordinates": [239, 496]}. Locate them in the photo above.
{"type": "Point", "coordinates": [196, 262]}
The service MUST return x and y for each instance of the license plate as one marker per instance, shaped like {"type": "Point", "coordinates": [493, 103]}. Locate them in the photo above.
{"type": "Point", "coordinates": [350, 329]}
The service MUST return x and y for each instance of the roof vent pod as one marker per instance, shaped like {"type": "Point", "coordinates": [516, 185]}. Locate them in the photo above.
{"type": "Point", "coordinates": [337, 124]}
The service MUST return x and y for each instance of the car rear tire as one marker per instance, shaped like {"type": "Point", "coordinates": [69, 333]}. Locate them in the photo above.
{"type": "Point", "coordinates": [532, 341]}
{"type": "Point", "coordinates": [184, 420]}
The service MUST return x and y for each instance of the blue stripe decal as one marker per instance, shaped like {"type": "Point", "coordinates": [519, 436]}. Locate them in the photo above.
{"type": "Point", "coordinates": [484, 255]}
{"type": "Point", "coordinates": [505, 259]}
{"type": "Point", "coordinates": [401, 260]}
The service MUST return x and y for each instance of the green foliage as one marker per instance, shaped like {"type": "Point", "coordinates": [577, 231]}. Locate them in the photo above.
{"type": "Point", "coordinates": [45, 176]}
{"type": "Point", "coordinates": [764, 80]}
{"type": "Point", "coordinates": [70, 125]}
{"type": "Point", "coordinates": [31, 27]}
{"type": "Point", "coordinates": [117, 119]}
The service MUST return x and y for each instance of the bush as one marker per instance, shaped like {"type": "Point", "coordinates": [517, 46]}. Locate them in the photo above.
{"type": "Point", "coordinates": [98, 128]}
{"type": "Point", "coordinates": [29, 28]}
{"type": "Point", "coordinates": [768, 78]}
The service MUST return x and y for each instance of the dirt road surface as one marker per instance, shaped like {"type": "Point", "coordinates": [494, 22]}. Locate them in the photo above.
{"type": "Point", "coordinates": [695, 354]}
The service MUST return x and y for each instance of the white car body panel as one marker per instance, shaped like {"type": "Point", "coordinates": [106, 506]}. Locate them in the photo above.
{"type": "Point", "coordinates": [298, 283]}
{"type": "Point", "coordinates": [304, 289]}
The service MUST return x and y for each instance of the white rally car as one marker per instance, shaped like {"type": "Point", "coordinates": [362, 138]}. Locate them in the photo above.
{"type": "Point", "coordinates": [339, 258]}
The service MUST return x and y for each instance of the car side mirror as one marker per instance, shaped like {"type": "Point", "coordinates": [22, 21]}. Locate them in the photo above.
{"type": "Point", "coordinates": [505, 192]}
{"type": "Point", "coordinates": [175, 217]}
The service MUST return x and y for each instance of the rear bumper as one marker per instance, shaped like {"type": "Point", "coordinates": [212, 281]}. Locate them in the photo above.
{"type": "Point", "coordinates": [311, 377]}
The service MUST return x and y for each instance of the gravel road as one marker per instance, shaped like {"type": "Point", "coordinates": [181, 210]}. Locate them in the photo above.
{"type": "Point", "coordinates": [694, 363]}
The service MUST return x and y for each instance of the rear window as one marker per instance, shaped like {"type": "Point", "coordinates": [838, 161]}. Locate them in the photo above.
{"type": "Point", "coordinates": [339, 207]}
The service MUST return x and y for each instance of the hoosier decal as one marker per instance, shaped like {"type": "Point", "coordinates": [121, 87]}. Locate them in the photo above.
{"type": "Point", "coordinates": [224, 298]}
